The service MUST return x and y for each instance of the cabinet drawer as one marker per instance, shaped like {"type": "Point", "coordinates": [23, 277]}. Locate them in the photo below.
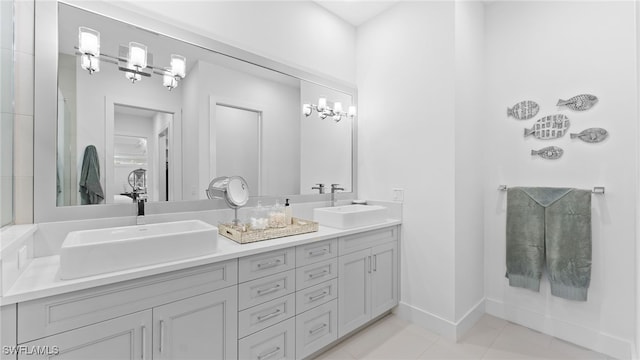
{"type": "Point", "coordinates": [316, 328]}
{"type": "Point", "coordinates": [355, 242]}
{"type": "Point", "coordinates": [316, 251]}
{"type": "Point", "coordinates": [264, 315]}
{"type": "Point", "coordinates": [316, 273]}
{"type": "Point", "coordinates": [55, 314]}
{"type": "Point", "coordinates": [272, 262]}
{"type": "Point", "coordinates": [316, 295]}
{"type": "Point", "coordinates": [125, 337]}
{"type": "Point", "coordinates": [275, 342]}
{"type": "Point", "coordinates": [268, 288]}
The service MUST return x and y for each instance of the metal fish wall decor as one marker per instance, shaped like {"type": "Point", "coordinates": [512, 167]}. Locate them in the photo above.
{"type": "Point", "coordinates": [549, 127]}
{"type": "Point", "coordinates": [580, 102]}
{"type": "Point", "coordinates": [549, 153]}
{"type": "Point", "coordinates": [592, 135]}
{"type": "Point", "coordinates": [524, 110]}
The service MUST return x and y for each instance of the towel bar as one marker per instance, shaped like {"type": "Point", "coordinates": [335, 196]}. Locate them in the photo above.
{"type": "Point", "coordinates": [596, 189]}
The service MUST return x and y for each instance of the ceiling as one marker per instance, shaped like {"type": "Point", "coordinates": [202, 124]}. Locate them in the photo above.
{"type": "Point", "coordinates": [356, 12]}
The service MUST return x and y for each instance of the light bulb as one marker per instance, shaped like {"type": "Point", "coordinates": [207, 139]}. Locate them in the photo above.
{"type": "Point", "coordinates": [352, 111]}
{"type": "Point", "coordinates": [88, 41]}
{"type": "Point", "coordinates": [322, 104]}
{"type": "Point", "coordinates": [137, 55]}
{"type": "Point", "coordinates": [90, 63]}
{"type": "Point", "coordinates": [306, 109]}
{"type": "Point", "coordinates": [178, 65]}
{"type": "Point", "coordinates": [169, 81]}
{"type": "Point", "coordinates": [337, 107]}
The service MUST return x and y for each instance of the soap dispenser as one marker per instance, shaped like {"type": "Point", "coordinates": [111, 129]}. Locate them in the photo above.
{"type": "Point", "coordinates": [288, 219]}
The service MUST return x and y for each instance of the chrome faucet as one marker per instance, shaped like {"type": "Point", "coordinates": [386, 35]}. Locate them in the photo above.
{"type": "Point", "coordinates": [319, 187]}
{"type": "Point", "coordinates": [141, 199]}
{"type": "Point", "coordinates": [334, 188]}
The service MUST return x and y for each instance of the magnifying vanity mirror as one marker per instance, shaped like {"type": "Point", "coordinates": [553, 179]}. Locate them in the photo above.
{"type": "Point", "coordinates": [231, 113]}
{"type": "Point", "coordinates": [234, 190]}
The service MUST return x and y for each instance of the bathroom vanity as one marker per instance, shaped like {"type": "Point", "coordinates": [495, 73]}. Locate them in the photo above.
{"type": "Point", "coordinates": [285, 298]}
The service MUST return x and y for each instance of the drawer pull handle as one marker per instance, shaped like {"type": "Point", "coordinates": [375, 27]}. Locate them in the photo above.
{"type": "Point", "coordinates": [161, 335]}
{"type": "Point", "coordinates": [313, 331]}
{"type": "Point", "coordinates": [319, 296]}
{"type": "Point", "coordinates": [369, 257]}
{"type": "Point", "coordinates": [318, 274]}
{"type": "Point", "coordinates": [268, 316]}
{"type": "Point", "coordinates": [269, 290]}
{"type": "Point", "coordinates": [314, 253]}
{"type": "Point", "coordinates": [375, 262]}
{"type": "Point", "coordinates": [144, 341]}
{"type": "Point", "coordinates": [270, 264]}
{"type": "Point", "coordinates": [269, 353]}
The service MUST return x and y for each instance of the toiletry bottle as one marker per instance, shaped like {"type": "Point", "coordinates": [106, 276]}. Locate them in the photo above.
{"type": "Point", "coordinates": [287, 213]}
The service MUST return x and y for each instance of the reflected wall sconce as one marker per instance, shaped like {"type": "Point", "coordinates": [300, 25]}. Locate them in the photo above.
{"type": "Point", "coordinates": [324, 110]}
{"type": "Point", "coordinates": [135, 61]}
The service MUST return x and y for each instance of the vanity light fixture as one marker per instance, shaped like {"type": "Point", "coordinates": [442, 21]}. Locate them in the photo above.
{"type": "Point", "coordinates": [324, 110]}
{"type": "Point", "coordinates": [89, 48]}
{"type": "Point", "coordinates": [132, 60]}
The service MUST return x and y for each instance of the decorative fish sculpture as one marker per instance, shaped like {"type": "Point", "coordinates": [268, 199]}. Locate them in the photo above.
{"type": "Point", "coordinates": [549, 127]}
{"type": "Point", "coordinates": [549, 153]}
{"type": "Point", "coordinates": [580, 102]}
{"type": "Point", "coordinates": [592, 135]}
{"type": "Point", "coordinates": [524, 110]}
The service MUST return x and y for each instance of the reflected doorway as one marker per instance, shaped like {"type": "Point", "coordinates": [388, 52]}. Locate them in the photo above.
{"type": "Point", "coordinates": [237, 134]}
{"type": "Point", "coordinates": [141, 141]}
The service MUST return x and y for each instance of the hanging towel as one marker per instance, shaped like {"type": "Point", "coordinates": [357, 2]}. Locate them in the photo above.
{"type": "Point", "coordinates": [90, 188]}
{"type": "Point", "coordinates": [552, 224]}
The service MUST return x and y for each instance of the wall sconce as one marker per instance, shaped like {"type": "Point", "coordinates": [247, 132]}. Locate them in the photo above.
{"type": "Point", "coordinates": [325, 110]}
{"type": "Point", "coordinates": [89, 48]}
{"type": "Point", "coordinates": [133, 63]}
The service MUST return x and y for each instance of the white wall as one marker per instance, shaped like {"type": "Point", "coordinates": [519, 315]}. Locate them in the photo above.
{"type": "Point", "coordinates": [406, 140]}
{"type": "Point", "coordinates": [469, 156]}
{"type": "Point", "coordinates": [544, 51]}
{"type": "Point", "coordinates": [297, 33]}
{"type": "Point", "coordinates": [279, 103]}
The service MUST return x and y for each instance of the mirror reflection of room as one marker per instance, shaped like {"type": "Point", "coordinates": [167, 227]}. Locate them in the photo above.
{"type": "Point", "coordinates": [141, 141]}
{"type": "Point", "coordinates": [228, 117]}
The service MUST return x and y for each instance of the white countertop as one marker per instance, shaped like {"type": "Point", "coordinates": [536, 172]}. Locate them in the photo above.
{"type": "Point", "coordinates": [40, 279]}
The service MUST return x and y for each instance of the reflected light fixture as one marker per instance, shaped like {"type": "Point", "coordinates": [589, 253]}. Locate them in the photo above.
{"type": "Point", "coordinates": [324, 110]}
{"type": "Point", "coordinates": [134, 60]}
{"type": "Point", "coordinates": [89, 48]}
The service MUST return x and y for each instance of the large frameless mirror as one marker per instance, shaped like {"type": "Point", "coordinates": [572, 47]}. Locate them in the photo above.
{"type": "Point", "coordinates": [221, 117]}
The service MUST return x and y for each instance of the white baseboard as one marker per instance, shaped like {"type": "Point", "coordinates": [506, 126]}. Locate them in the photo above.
{"type": "Point", "coordinates": [450, 330]}
{"type": "Point", "coordinates": [589, 338]}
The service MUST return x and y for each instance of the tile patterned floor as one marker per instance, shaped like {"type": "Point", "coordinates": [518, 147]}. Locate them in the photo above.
{"type": "Point", "coordinates": [490, 338]}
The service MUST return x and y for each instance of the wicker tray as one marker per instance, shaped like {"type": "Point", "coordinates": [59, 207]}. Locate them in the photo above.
{"type": "Point", "coordinates": [236, 233]}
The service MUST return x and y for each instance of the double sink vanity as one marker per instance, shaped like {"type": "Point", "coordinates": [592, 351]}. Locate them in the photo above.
{"type": "Point", "coordinates": [177, 290]}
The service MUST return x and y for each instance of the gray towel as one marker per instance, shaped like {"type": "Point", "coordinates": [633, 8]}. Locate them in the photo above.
{"type": "Point", "coordinates": [90, 188]}
{"type": "Point", "coordinates": [552, 224]}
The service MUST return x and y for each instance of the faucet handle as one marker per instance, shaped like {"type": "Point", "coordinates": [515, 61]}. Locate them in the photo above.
{"type": "Point", "coordinates": [320, 184]}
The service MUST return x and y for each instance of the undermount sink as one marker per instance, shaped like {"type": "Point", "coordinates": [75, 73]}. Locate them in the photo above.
{"type": "Point", "coordinates": [92, 252]}
{"type": "Point", "coordinates": [350, 216]}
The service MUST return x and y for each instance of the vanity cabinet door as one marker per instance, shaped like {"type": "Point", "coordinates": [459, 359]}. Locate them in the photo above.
{"type": "Point", "coordinates": [125, 337]}
{"type": "Point", "coordinates": [200, 327]}
{"type": "Point", "coordinates": [384, 278]}
{"type": "Point", "coordinates": [354, 290]}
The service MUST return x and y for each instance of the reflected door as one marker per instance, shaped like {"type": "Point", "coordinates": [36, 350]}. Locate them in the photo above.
{"type": "Point", "coordinates": [238, 144]}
